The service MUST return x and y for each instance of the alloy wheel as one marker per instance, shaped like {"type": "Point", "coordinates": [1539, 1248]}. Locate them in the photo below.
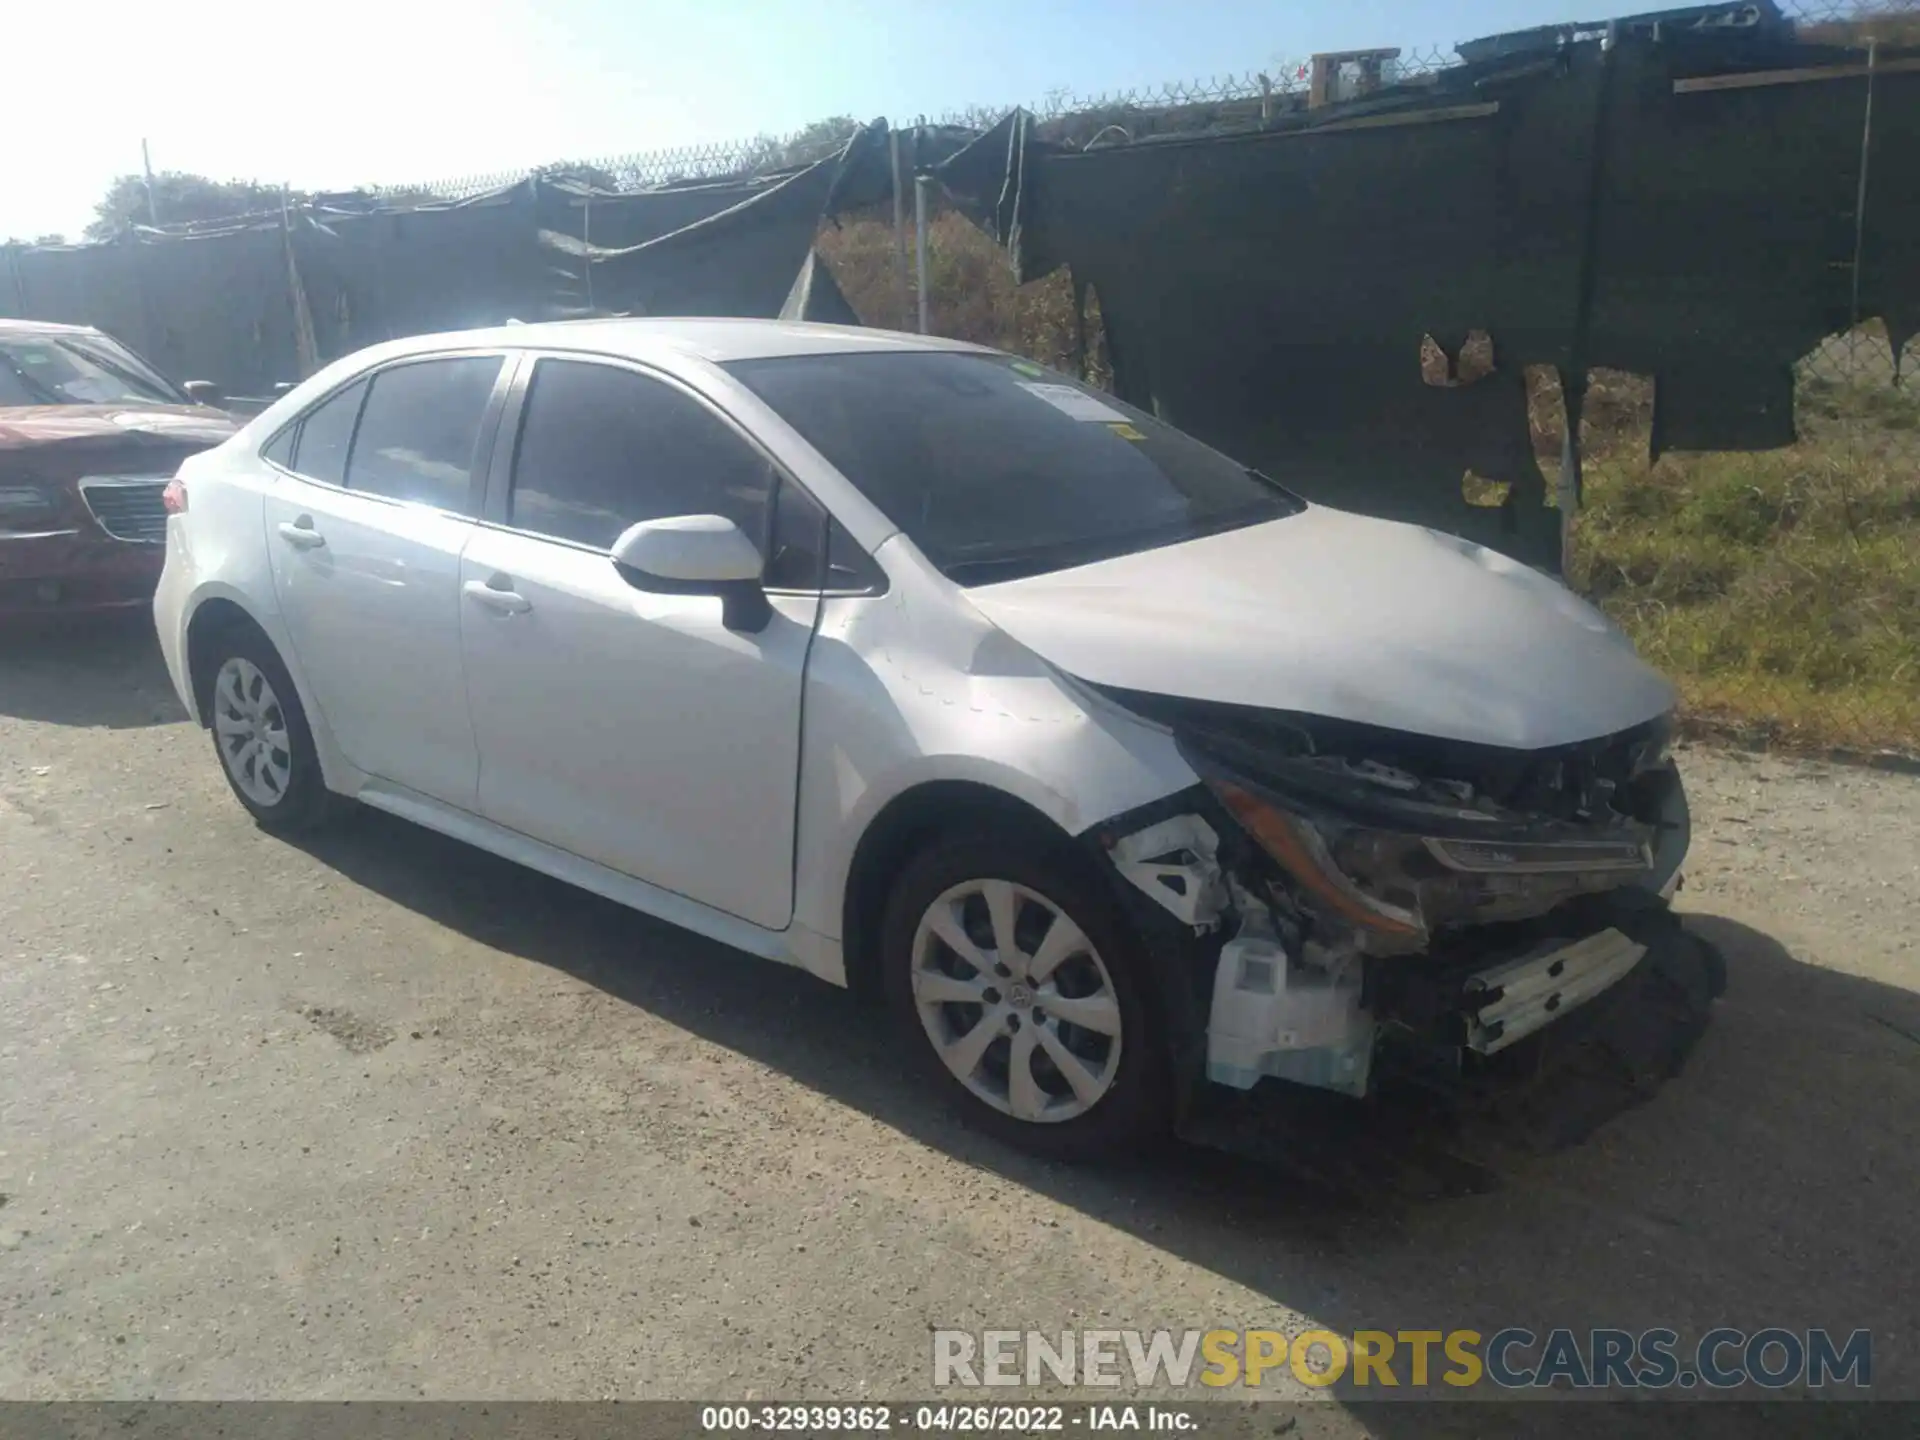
{"type": "Point", "coordinates": [1016, 1001]}
{"type": "Point", "coordinates": [251, 729]}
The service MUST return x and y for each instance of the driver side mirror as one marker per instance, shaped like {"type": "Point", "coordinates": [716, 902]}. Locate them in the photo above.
{"type": "Point", "coordinates": [205, 392]}
{"type": "Point", "coordinates": [697, 555]}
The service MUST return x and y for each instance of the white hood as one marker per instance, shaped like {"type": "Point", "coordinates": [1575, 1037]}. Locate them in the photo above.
{"type": "Point", "coordinates": [1331, 613]}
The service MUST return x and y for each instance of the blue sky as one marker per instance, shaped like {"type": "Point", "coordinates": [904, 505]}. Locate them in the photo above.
{"type": "Point", "coordinates": [357, 91]}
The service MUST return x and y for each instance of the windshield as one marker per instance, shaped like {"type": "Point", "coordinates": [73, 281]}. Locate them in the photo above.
{"type": "Point", "coordinates": [76, 370]}
{"type": "Point", "coordinates": [997, 468]}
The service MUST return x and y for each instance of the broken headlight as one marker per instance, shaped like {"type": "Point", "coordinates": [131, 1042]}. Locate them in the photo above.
{"type": "Point", "coordinates": [1397, 880]}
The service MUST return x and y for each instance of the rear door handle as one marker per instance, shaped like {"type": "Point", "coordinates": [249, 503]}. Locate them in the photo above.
{"type": "Point", "coordinates": [301, 537]}
{"type": "Point", "coordinates": [504, 602]}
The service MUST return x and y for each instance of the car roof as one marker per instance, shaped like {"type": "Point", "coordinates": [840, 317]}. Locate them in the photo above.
{"type": "Point", "coordinates": [44, 327]}
{"type": "Point", "coordinates": [716, 340]}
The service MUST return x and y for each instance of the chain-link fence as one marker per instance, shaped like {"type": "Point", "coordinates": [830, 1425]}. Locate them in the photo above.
{"type": "Point", "coordinates": [1781, 589]}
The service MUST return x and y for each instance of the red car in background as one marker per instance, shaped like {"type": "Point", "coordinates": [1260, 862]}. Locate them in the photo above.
{"type": "Point", "coordinates": [89, 436]}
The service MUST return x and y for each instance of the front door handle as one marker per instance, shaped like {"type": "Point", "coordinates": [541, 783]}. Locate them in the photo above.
{"type": "Point", "coordinates": [504, 602]}
{"type": "Point", "coordinates": [301, 537]}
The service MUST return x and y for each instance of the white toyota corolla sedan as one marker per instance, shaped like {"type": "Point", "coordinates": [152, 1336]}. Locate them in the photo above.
{"type": "Point", "coordinates": [1120, 770]}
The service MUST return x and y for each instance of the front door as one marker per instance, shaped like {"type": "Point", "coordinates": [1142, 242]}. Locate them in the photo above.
{"type": "Point", "coordinates": [632, 728]}
{"type": "Point", "coordinates": [365, 538]}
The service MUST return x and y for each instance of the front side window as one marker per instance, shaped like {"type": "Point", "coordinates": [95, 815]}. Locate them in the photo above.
{"type": "Point", "coordinates": [997, 469]}
{"type": "Point", "coordinates": [419, 430]}
{"type": "Point", "coordinates": [602, 448]}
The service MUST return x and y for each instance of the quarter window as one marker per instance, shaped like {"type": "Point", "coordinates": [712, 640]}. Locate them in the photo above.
{"type": "Point", "coordinates": [280, 449]}
{"type": "Point", "coordinates": [419, 430]}
{"type": "Point", "coordinates": [797, 540]}
{"type": "Point", "coordinates": [603, 448]}
{"type": "Point", "coordinates": [325, 435]}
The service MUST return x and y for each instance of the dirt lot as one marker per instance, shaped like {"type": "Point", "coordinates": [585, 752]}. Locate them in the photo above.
{"type": "Point", "coordinates": [380, 1116]}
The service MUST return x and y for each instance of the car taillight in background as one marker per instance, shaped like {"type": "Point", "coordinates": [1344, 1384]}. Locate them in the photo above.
{"type": "Point", "coordinates": [173, 499]}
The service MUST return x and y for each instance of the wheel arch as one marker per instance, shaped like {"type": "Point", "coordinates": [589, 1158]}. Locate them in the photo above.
{"type": "Point", "coordinates": [216, 612]}
{"type": "Point", "coordinates": [903, 827]}
{"type": "Point", "coordinates": [212, 617]}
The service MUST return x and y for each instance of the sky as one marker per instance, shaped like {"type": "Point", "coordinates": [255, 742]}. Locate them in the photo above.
{"type": "Point", "coordinates": [331, 94]}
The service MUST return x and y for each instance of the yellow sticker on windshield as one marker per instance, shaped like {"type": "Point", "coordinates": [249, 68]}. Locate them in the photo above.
{"type": "Point", "coordinates": [1026, 367]}
{"type": "Point", "coordinates": [1125, 431]}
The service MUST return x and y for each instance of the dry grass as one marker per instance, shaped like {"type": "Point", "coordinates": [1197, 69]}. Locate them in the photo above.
{"type": "Point", "coordinates": [969, 284]}
{"type": "Point", "coordinates": [1781, 590]}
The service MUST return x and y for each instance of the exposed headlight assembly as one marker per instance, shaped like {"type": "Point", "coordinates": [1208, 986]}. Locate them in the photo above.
{"type": "Point", "coordinates": [1396, 887]}
{"type": "Point", "coordinates": [1302, 851]}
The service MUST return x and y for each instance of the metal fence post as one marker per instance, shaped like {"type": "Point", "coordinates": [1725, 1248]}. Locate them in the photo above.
{"type": "Point", "coordinates": [920, 183]}
{"type": "Point", "coordinates": [146, 168]}
{"type": "Point", "coordinates": [1573, 379]}
{"type": "Point", "coordinates": [306, 343]}
{"type": "Point", "coordinates": [1860, 201]}
{"type": "Point", "coordinates": [899, 226]}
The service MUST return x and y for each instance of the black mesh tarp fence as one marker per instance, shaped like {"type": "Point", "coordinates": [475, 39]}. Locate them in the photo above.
{"type": "Point", "coordinates": [1388, 313]}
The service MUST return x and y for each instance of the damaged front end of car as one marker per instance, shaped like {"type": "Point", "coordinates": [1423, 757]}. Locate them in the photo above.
{"type": "Point", "coordinates": [1382, 900]}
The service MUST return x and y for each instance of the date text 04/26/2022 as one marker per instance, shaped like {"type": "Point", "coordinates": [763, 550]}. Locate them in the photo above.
{"type": "Point", "coordinates": [938, 1419]}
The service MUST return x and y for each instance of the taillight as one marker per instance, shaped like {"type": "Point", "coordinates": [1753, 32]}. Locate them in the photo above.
{"type": "Point", "coordinates": [173, 499]}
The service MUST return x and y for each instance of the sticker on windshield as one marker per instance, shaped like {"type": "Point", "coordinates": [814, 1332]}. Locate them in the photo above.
{"type": "Point", "coordinates": [1027, 367]}
{"type": "Point", "coordinates": [1126, 431]}
{"type": "Point", "coordinates": [1073, 403]}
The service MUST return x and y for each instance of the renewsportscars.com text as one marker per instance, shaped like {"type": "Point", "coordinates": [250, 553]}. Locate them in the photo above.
{"type": "Point", "coordinates": [1514, 1358]}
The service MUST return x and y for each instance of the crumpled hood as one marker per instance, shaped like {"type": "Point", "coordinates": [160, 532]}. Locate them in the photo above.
{"type": "Point", "coordinates": [27, 426]}
{"type": "Point", "coordinates": [1335, 614]}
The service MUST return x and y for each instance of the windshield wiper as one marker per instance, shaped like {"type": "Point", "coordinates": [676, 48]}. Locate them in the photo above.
{"type": "Point", "coordinates": [1294, 502]}
{"type": "Point", "coordinates": [991, 568]}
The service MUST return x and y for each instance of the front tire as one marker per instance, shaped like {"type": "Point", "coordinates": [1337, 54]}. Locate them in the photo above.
{"type": "Point", "coordinates": [261, 735]}
{"type": "Point", "coordinates": [1024, 993]}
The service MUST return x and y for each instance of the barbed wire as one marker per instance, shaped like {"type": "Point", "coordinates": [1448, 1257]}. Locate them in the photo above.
{"type": "Point", "coordinates": [1284, 82]}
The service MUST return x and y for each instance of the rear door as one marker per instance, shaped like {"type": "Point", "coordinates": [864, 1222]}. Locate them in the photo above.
{"type": "Point", "coordinates": [365, 531]}
{"type": "Point", "coordinates": [630, 727]}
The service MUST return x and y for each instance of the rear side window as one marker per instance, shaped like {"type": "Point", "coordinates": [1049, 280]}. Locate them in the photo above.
{"type": "Point", "coordinates": [419, 430]}
{"type": "Point", "coordinates": [603, 448]}
{"type": "Point", "coordinates": [321, 450]}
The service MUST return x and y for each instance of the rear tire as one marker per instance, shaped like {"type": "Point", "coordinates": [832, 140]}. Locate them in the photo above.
{"type": "Point", "coordinates": [261, 735]}
{"type": "Point", "coordinates": [1023, 992]}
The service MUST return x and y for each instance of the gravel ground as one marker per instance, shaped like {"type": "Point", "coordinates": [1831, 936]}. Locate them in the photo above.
{"type": "Point", "coordinates": [380, 1116]}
